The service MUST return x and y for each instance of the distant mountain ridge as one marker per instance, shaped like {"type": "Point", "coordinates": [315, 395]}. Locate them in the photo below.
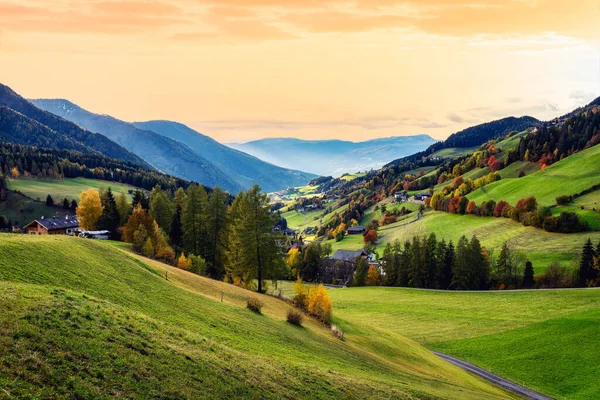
{"type": "Point", "coordinates": [49, 130]}
{"type": "Point", "coordinates": [168, 155]}
{"type": "Point", "coordinates": [333, 157]}
{"type": "Point", "coordinates": [243, 168]}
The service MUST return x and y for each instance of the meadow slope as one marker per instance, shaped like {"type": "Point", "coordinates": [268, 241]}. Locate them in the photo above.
{"type": "Point", "coordinates": [546, 339]}
{"type": "Point", "coordinates": [88, 318]}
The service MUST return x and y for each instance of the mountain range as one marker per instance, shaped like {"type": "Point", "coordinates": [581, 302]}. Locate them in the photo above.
{"type": "Point", "coordinates": [177, 150]}
{"type": "Point", "coordinates": [334, 157]}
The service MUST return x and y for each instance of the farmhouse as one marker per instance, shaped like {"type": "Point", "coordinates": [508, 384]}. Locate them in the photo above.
{"type": "Point", "coordinates": [348, 255]}
{"type": "Point", "coordinates": [401, 196]}
{"type": "Point", "coordinates": [420, 197]}
{"type": "Point", "coordinates": [53, 226]}
{"type": "Point", "coordinates": [356, 230]}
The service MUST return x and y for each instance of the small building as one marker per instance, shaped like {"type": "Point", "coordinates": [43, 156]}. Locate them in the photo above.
{"type": "Point", "coordinates": [420, 197]}
{"type": "Point", "coordinates": [99, 235]}
{"type": "Point", "coordinates": [53, 226]}
{"type": "Point", "coordinates": [356, 230]}
{"type": "Point", "coordinates": [401, 196]}
{"type": "Point", "coordinates": [348, 255]}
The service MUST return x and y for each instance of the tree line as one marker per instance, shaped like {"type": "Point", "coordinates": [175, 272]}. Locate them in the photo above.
{"type": "Point", "coordinates": [206, 233]}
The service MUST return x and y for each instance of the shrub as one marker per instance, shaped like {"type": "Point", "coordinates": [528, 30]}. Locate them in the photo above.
{"type": "Point", "coordinates": [301, 299]}
{"type": "Point", "coordinates": [319, 304]}
{"type": "Point", "coordinates": [294, 317]}
{"type": "Point", "coordinates": [254, 304]}
{"type": "Point", "coordinates": [528, 204]}
{"type": "Point", "coordinates": [521, 173]}
{"type": "Point", "coordinates": [564, 199]}
{"type": "Point", "coordinates": [499, 208]}
{"type": "Point", "coordinates": [370, 236]}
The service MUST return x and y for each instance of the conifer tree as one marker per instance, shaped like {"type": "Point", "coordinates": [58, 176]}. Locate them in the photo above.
{"type": "Point", "coordinates": [110, 219]}
{"type": "Point", "coordinates": [258, 250]}
{"type": "Point", "coordinates": [176, 234]}
{"type": "Point", "coordinates": [124, 208]}
{"type": "Point", "coordinates": [49, 201]}
{"type": "Point", "coordinates": [360, 273]}
{"type": "Point", "coordinates": [193, 220]}
{"type": "Point", "coordinates": [586, 272]}
{"type": "Point", "coordinates": [216, 225]}
{"type": "Point", "coordinates": [528, 276]}
{"type": "Point", "coordinates": [66, 204]}
{"type": "Point", "coordinates": [161, 209]}
{"type": "Point", "coordinates": [461, 271]}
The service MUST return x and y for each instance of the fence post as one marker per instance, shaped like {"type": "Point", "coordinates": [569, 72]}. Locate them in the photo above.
{"type": "Point", "coordinates": [167, 275]}
{"type": "Point", "coordinates": [222, 294]}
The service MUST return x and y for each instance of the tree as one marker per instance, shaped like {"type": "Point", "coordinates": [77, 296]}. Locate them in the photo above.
{"type": "Point", "coordinates": [528, 276]}
{"type": "Point", "coordinates": [15, 172]}
{"type": "Point", "coordinates": [370, 236]}
{"type": "Point", "coordinates": [139, 198]}
{"type": "Point", "coordinates": [110, 219]}
{"type": "Point", "coordinates": [294, 262]}
{"type": "Point", "coordinates": [161, 209]}
{"type": "Point", "coordinates": [123, 208]}
{"type": "Point", "coordinates": [193, 220]}
{"type": "Point", "coordinates": [360, 273]}
{"type": "Point", "coordinates": [183, 262]}
{"type": "Point", "coordinates": [216, 235]}
{"type": "Point", "coordinates": [176, 228]}
{"type": "Point", "coordinates": [73, 205]}
{"type": "Point", "coordinates": [319, 304]}
{"type": "Point", "coordinates": [49, 201]}
{"type": "Point", "coordinates": [586, 271]}
{"type": "Point", "coordinates": [89, 209]}
{"type": "Point", "coordinates": [472, 207]}
{"type": "Point", "coordinates": [461, 272]}
{"type": "Point", "coordinates": [447, 266]}
{"type": "Point", "coordinates": [373, 276]}
{"type": "Point", "coordinates": [65, 204]}
{"type": "Point", "coordinates": [139, 218]}
{"type": "Point", "coordinates": [259, 252]}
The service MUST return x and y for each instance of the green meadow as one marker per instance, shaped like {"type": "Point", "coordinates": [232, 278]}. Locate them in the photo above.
{"type": "Point", "coordinates": [546, 339]}
{"type": "Point", "coordinates": [89, 319]}
{"type": "Point", "coordinates": [59, 189]}
{"type": "Point", "coordinates": [569, 176]}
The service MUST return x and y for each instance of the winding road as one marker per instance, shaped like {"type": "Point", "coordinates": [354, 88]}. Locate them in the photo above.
{"type": "Point", "coordinates": [495, 379]}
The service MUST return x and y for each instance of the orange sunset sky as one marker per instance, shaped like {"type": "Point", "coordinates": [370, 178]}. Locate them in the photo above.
{"type": "Point", "coordinates": [244, 69]}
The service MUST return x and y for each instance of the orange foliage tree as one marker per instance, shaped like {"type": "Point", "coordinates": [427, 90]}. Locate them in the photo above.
{"type": "Point", "coordinates": [371, 236]}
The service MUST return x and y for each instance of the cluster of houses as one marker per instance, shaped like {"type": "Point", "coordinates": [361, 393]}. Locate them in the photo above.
{"type": "Point", "coordinates": [67, 225]}
{"type": "Point", "coordinates": [418, 198]}
{"type": "Point", "coordinates": [339, 268]}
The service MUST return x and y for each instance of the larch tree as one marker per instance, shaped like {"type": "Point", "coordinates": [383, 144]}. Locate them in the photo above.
{"type": "Point", "coordinates": [259, 250]}
{"type": "Point", "coordinates": [89, 210]}
{"type": "Point", "coordinates": [193, 219]}
{"type": "Point", "coordinates": [124, 208]}
{"type": "Point", "coordinates": [216, 235]}
{"type": "Point", "coordinates": [161, 209]}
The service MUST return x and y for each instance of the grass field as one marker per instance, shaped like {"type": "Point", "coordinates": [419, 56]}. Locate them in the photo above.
{"type": "Point", "coordinates": [454, 152]}
{"type": "Point", "coordinates": [20, 210]}
{"type": "Point", "coordinates": [544, 339]}
{"type": "Point", "coordinates": [88, 319]}
{"type": "Point", "coordinates": [69, 188]}
{"type": "Point", "coordinates": [571, 175]}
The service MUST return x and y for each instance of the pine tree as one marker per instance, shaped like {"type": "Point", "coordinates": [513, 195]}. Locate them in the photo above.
{"type": "Point", "coordinates": [360, 273]}
{"type": "Point", "coordinates": [110, 218]}
{"type": "Point", "coordinates": [259, 253]}
{"type": "Point", "coordinates": [140, 198]}
{"type": "Point", "coordinates": [586, 265]}
{"type": "Point", "coordinates": [461, 271]}
{"type": "Point", "coordinates": [447, 266]}
{"type": "Point", "coordinates": [124, 208]}
{"type": "Point", "coordinates": [73, 205]}
{"type": "Point", "coordinates": [176, 235]}
{"type": "Point", "coordinates": [161, 209]}
{"type": "Point", "coordinates": [480, 266]}
{"type": "Point", "coordinates": [390, 266]}
{"type": "Point", "coordinates": [66, 204]}
{"type": "Point", "coordinates": [528, 276]}
{"type": "Point", "coordinates": [193, 219]}
{"type": "Point", "coordinates": [49, 201]}
{"type": "Point", "coordinates": [216, 224]}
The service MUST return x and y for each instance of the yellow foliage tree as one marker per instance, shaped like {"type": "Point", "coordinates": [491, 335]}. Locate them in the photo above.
{"type": "Point", "coordinates": [15, 172]}
{"type": "Point", "coordinates": [293, 261]}
{"type": "Point", "coordinates": [184, 263]}
{"type": "Point", "coordinates": [319, 304]}
{"type": "Point", "coordinates": [89, 210]}
{"type": "Point", "coordinates": [300, 299]}
{"type": "Point", "coordinates": [373, 276]}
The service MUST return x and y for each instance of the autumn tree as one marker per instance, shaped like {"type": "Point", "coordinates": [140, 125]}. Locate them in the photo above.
{"type": "Point", "coordinates": [373, 276]}
{"type": "Point", "coordinates": [370, 236]}
{"type": "Point", "coordinates": [89, 209]}
{"type": "Point", "coordinates": [294, 261]}
{"type": "Point", "coordinates": [319, 303]}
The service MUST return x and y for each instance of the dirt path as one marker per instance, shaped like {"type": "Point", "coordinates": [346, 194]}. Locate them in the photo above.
{"type": "Point", "coordinates": [495, 379]}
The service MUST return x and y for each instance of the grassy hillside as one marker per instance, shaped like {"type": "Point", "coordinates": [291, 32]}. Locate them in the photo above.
{"type": "Point", "coordinates": [69, 188]}
{"type": "Point", "coordinates": [87, 318]}
{"type": "Point", "coordinates": [542, 338]}
{"type": "Point", "coordinates": [571, 175]}
{"type": "Point", "coordinates": [21, 210]}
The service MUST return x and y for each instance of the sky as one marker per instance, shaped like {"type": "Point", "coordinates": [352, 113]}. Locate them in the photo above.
{"type": "Point", "coordinates": [239, 70]}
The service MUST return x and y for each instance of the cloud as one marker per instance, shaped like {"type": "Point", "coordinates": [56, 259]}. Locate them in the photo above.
{"type": "Point", "coordinates": [456, 118]}
{"type": "Point", "coordinates": [582, 96]}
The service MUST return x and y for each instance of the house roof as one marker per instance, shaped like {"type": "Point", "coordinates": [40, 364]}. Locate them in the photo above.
{"type": "Point", "coordinates": [358, 228]}
{"type": "Point", "coordinates": [348, 255]}
{"type": "Point", "coordinates": [57, 222]}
